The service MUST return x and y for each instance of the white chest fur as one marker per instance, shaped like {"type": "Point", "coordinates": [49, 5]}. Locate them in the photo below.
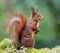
{"type": "Point", "coordinates": [37, 24]}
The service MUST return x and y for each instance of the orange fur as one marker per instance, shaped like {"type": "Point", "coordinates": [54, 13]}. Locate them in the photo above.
{"type": "Point", "coordinates": [24, 30]}
{"type": "Point", "coordinates": [19, 26]}
{"type": "Point", "coordinates": [27, 39]}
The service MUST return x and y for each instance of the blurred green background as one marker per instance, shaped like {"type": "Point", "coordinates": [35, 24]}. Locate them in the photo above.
{"type": "Point", "coordinates": [49, 36]}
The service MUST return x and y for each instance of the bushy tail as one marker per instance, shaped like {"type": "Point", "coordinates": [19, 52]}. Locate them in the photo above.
{"type": "Point", "coordinates": [12, 22]}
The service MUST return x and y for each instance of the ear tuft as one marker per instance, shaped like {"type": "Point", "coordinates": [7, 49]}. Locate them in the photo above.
{"type": "Point", "coordinates": [37, 9]}
{"type": "Point", "coordinates": [32, 8]}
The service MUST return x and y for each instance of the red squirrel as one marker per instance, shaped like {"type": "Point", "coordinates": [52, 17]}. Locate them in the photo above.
{"type": "Point", "coordinates": [24, 30]}
{"type": "Point", "coordinates": [27, 39]}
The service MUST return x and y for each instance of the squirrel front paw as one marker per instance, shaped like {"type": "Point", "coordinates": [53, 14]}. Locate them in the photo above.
{"type": "Point", "coordinates": [37, 31]}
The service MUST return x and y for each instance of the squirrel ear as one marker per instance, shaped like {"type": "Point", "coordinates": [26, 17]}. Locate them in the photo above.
{"type": "Point", "coordinates": [34, 11]}
{"type": "Point", "coordinates": [37, 9]}
{"type": "Point", "coordinates": [32, 8]}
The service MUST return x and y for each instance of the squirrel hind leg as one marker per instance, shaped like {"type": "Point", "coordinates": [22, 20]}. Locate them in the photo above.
{"type": "Point", "coordinates": [17, 45]}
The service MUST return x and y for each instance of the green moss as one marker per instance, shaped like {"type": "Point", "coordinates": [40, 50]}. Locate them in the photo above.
{"type": "Point", "coordinates": [6, 46]}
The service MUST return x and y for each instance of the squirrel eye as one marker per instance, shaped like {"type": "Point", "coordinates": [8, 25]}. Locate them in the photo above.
{"type": "Point", "coordinates": [37, 15]}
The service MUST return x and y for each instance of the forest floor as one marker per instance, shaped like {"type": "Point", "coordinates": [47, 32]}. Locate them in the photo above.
{"type": "Point", "coordinates": [6, 46]}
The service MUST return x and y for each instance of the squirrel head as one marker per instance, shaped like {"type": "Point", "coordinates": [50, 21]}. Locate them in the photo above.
{"type": "Point", "coordinates": [36, 15]}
